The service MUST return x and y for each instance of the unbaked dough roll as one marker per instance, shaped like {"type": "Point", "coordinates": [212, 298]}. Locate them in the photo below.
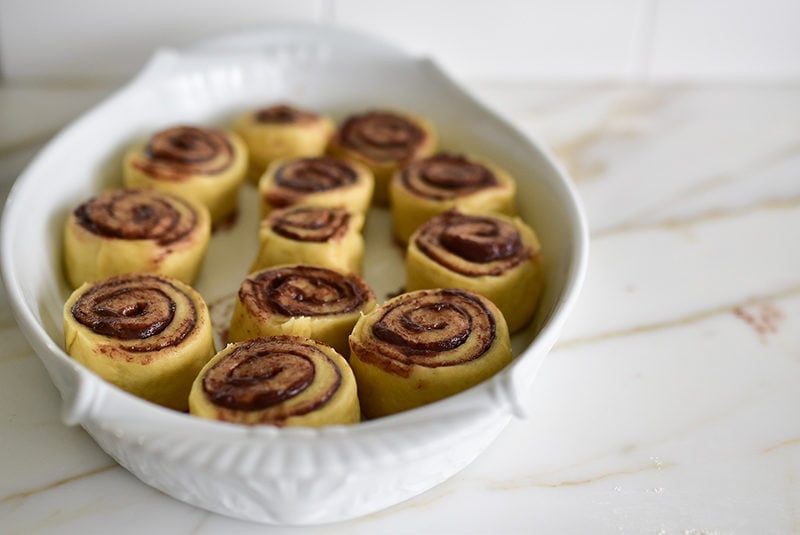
{"type": "Point", "coordinates": [317, 181]}
{"type": "Point", "coordinates": [384, 141]}
{"type": "Point", "coordinates": [135, 231]}
{"type": "Point", "coordinates": [314, 235]}
{"type": "Point", "coordinates": [146, 334]}
{"type": "Point", "coordinates": [433, 185]}
{"type": "Point", "coordinates": [424, 346]}
{"type": "Point", "coordinates": [497, 256]}
{"type": "Point", "coordinates": [202, 164]}
{"type": "Point", "coordinates": [308, 301]}
{"type": "Point", "coordinates": [281, 131]}
{"type": "Point", "coordinates": [280, 380]}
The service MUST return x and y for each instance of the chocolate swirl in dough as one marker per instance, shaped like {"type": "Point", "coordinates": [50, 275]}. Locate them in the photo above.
{"type": "Point", "coordinates": [381, 136]}
{"type": "Point", "coordinates": [310, 175]}
{"type": "Point", "coordinates": [429, 328]}
{"type": "Point", "coordinates": [136, 214]}
{"type": "Point", "coordinates": [145, 312]}
{"type": "Point", "coordinates": [472, 245]}
{"type": "Point", "coordinates": [265, 372]}
{"type": "Point", "coordinates": [426, 345]}
{"type": "Point", "coordinates": [304, 291]}
{"type": "Point", "coordinates": [310, 223]}
{"type": "Point", "coordinates": [446, 176]}
{"type": "Point", "coordinates": [284, 114]}
{"type": "Point", "coordinates": [183, 151]}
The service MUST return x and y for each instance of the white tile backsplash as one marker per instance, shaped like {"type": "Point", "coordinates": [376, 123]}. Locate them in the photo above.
{"type": "Point", "coordinates": [100, 38]}
{"type": "Point", "coordinates": [586, 40]}
{"type": "Point", "coordinates": [726, 39]}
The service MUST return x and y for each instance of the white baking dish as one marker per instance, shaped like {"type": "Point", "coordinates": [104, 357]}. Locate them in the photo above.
{"type": "Point", "coordinates": [292, 476]}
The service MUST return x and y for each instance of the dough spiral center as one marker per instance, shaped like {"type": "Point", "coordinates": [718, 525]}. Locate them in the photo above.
{"type": "Point", "coordinates": [382, 136]}
{"type": "Point", "coordinates": [310, 224]}
{"type": "Point", "coordinates": [146, 311]}
{"type": "Point", "coordinates": [447, 176]}
{"type": "Point", "coordinates": [304, 291]}
{"type": "Point", "coordinates": [315, 174]}
{"type": "Point", "coordinates": [183, 151]}
{"type": "Point", "coordinates": [266, 372]}
{"type": "Point", "coordinates": [137, 215]}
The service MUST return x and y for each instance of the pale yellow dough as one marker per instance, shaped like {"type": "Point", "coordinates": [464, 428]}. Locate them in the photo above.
{"type": "Point", "coordinates": [410, 210]}
{"type": "Point", "coordinates": [355, 197]}
{"type": "Point", "coordinates": [89, 257]}
{"type": "Point", "coordinates": [249, 321]}
{"type": "Point", "coordinates": [516, 292]}
{"type": "Point", "coordinates": [162, 376]}
{"type": "Point", "coordinates": [388, 385]}
{"type": "Point", "coordinates": [219, 192]}
{"type": "Point", "coordinates": [267, 142]}
{"type": "Point", "coordinates": [384, 169]}
{"type": "Point", "coordinates": [343, 252]}
{"type": "Point", "coordinates": [340, 409]}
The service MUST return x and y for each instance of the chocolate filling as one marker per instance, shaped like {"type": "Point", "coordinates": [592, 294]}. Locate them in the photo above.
{"type": "Point", "coordinates": [304, 291]}
{"type": "Point", "coordinates": [266, 372]}
{"type": "Point", "coordinates": [135, 307]}
{"type": "Point", "coordinates": [472, 245]}
{"type": "Point", "coordinates": [284, 114]}
{"type": "Point", "coordinates": [183, 151]}
{"type": "Point", "coordinates": [421, 327]}
{"type": "Point", "coordinates": [382, 136]}
{"type": "Point", "coordinates": [447, 176]}
{"type": "Point", "coordinates": [309, 175]}
{"type": "Point", "coordinates": [310, 223]}
{"type": "Point", "coordinates": [137, 215]}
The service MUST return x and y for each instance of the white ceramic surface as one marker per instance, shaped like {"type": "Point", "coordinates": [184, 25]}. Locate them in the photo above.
{"type": "Point", "coordinates": [267, 474]}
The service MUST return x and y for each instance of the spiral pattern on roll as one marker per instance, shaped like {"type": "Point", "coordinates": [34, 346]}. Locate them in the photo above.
{"type": "Point", "coordinates": [284, 114]}
{"type": "Point", "coordinates": [144, 312]}
{"type": "Point", "coordinates": [446, 176]}
{"type": "Point", "coordinates": [311, 175]}
{"type": "Point", "coordinates": [304, 291]}
{"type": "Point", "coordinates": [310, 223]}
{"type": "Point", "coordinates": [431, 328]}
{"type": "Point", "coordinates": [136, 214]}
{"type": "Point", "coordinates": [473, 245]}
{"type": "Point", "coordinates": [381, 136]}
{"type": "Point", "coordinates": [183, 151]}
{"type": "Point", "coordinates": [265, 373]}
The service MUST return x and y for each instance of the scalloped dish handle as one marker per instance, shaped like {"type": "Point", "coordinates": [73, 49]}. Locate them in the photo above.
{"type": "Point", "coordinates": [78, 402]}
{"type": "Point", "coordinates": [79, 389]}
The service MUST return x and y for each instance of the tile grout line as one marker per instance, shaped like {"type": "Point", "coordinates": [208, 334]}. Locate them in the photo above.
{"type": "Point", "coordinates": [643, 42]}
{"type": "Point", "coordinates": [327, 14]}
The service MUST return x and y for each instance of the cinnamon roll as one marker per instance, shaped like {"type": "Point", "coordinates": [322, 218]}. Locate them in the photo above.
{"type": "Point", "coordinates": [201, 164]}
{"type": "Point", "coordinates": [315, 235]}
{"type": "Point", "coordinates": [424, 346]}
{"type": "Point", "coordinates": [497, 256]}
{"type": "Point", "coordinates": [308, 301]}
{"type": "Point", "coordinates": [433, 185]}
{"type": "Point", "coordinates": [280, 380]}
{"type": "Point", "coordinates": [317, 181]}
{"type": "Point", "coordinates": [281, 131]}
{"type": "Point", "coordinates": [135, 231]}
{"type": "Point", "coordinates": [384, 141]}
{"type": "Point", "coordinates": [147, 334]}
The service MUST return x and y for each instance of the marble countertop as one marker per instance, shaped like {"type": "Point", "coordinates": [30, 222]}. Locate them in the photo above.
{"type": "Point", "coordinates": [671, 403]}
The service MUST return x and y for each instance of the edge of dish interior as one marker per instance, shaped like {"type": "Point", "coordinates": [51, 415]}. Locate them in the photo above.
{"type": "Point", "coordinates": [425, 72]}
{"type": "Point", "coordinates": [199, 87]}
